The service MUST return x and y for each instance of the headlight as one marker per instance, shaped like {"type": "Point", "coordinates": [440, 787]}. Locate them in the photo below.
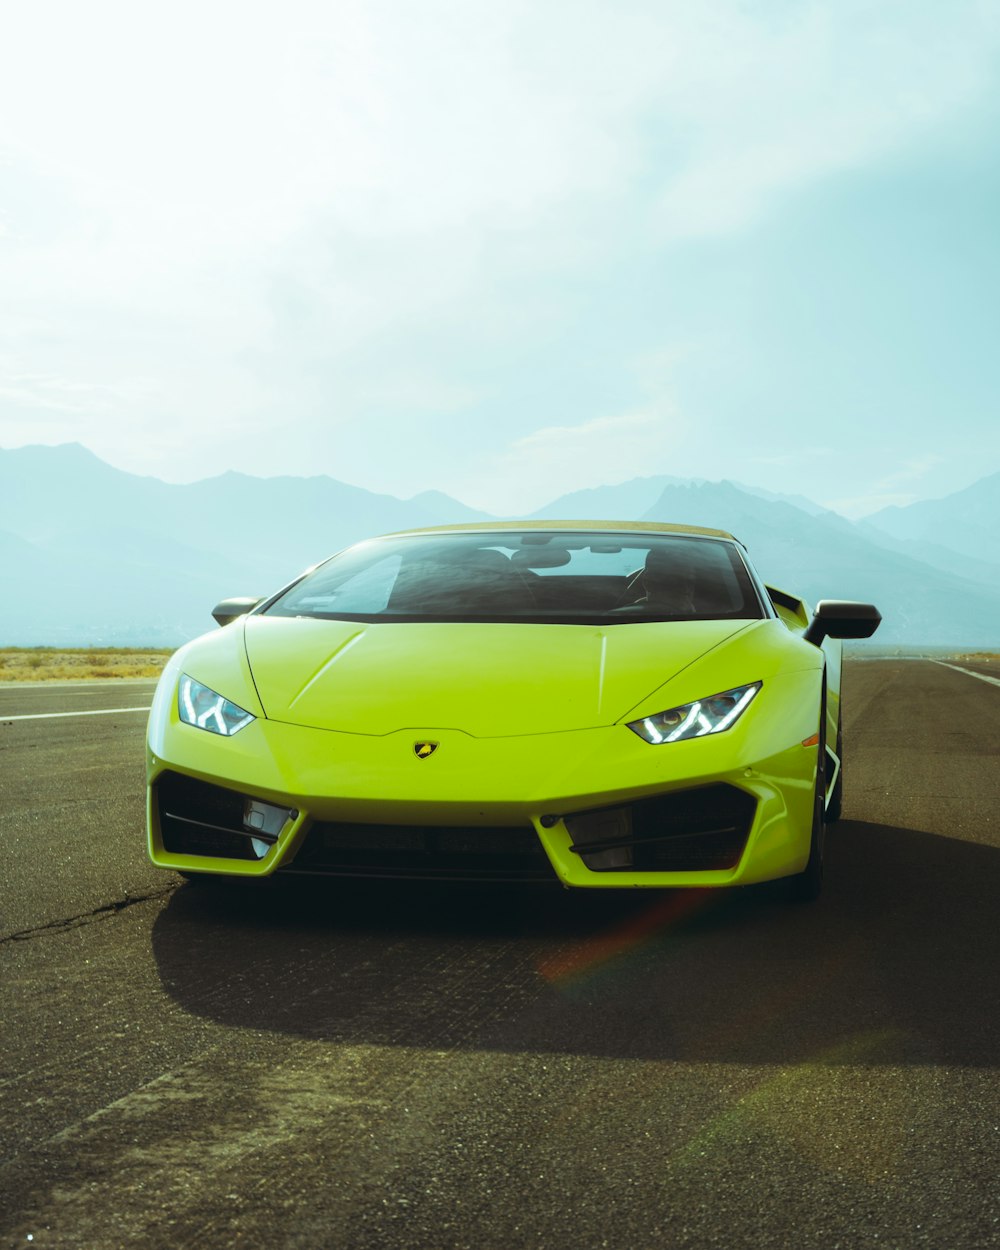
{"type": "Point", "coordinates": [695, 720]}
{"type": "Point", "coordinates": [203, 708]}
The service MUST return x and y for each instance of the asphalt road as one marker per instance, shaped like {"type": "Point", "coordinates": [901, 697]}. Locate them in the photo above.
{"type": "Point", "coordinates": [344, 1065]}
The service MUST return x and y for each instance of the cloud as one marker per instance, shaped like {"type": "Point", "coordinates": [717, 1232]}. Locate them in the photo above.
{"type": "Point", "coordinates": [911, 471]}
{"type": "Point", "coordinates": [56, 394]}
{"type": "Point", "coordinates": [767, 100]}
{"type": "Point", "coordinates": [895, 489]}
{"type": "Point", "coordinates": [236, 126]}
{"type": "Point", "coordinates": [256, 215]}
{"type": "Point", "coordinates": [856, 507]}
{"type": "Point", "coordinates": [793, 459]}
{"type": "Point", "coordinates": [554, 460]}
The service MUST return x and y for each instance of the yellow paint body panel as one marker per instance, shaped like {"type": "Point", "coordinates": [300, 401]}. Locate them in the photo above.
{"type": "Point", "coordinates": [530, 722]}
{"type": "Point", "coordinates": [489, 680]}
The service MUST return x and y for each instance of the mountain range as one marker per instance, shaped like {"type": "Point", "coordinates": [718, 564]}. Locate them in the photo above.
{"type": "Point", "coordinates": [93, 555]}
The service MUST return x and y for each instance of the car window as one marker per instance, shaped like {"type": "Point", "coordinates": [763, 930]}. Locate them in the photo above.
{"type": "Point", "coordinates": [347, 588]}
{"type": "Point", "coordinates": [543, 576]}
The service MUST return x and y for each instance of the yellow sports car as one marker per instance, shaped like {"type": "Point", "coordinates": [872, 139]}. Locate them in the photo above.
{"type": "Point", "coordinates": [592, 703]}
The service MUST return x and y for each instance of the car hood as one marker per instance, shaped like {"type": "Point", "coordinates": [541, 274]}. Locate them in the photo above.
{"type": "Point", "coordinates": [488, 680]}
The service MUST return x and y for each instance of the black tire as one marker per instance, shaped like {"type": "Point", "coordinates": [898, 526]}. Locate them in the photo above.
{"type": "Point", "coordinates": [806, 886]}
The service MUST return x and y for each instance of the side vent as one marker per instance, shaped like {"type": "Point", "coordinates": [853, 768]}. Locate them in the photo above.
{"type": "Point", "coordinates": [794, 612]}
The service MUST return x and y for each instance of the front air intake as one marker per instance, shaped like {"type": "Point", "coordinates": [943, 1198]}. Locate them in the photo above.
{"type": "Point", "coordinates": [439, 852]}
{"type": "Point", "coordinates": [197, 818]}
{"type": "Point", "coordinates": [685, 831]}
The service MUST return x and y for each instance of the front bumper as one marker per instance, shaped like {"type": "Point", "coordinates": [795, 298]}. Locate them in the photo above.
{"type": "Point", "coordinates": [594, 808]}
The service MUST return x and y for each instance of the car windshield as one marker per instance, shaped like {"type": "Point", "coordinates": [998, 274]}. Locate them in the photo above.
{"type": "Point", "coordinates": [564, 577]}
{"type": "Point", "coordinates": [541, 576]}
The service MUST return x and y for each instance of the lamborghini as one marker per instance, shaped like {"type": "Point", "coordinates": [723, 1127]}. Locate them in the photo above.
{"type": "Point", "coordinates": [596, 704]}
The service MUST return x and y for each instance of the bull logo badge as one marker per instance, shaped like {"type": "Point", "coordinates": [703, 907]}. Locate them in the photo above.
{"type": "Point", "coordinates": [424, 749]}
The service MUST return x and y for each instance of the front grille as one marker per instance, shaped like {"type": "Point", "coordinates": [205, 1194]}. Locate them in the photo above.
{"type": "Point", "coordinates": [687, 831]}
{"type": "Point", "coordinates": [201, 819]}
{"type": "Point", "coordinates": [488, 853]}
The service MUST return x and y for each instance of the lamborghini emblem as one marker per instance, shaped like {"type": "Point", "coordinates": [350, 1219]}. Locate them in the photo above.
{"type": "Point", "coordinates": [423, 749]}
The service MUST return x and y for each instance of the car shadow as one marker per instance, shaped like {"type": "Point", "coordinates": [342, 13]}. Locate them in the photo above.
{"type": "Point", "coordinates": [896, 964]}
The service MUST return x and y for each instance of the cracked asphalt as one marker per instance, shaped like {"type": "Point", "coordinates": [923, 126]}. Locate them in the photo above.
{"type": "Point", "coordinates": [379, 1065]}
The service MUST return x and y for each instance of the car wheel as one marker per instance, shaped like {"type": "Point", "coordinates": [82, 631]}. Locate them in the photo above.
{"type": "Point", "coordinates": [806, 886]}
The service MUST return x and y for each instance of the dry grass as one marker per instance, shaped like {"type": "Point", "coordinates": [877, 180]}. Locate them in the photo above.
{"type": "Point", "coordinates": [79, 663]}
{"type": "Point", "coordinates": [980, 657]}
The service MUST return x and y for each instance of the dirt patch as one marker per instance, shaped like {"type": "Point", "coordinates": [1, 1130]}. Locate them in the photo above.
{"type": "Point", "coordinates": [80, 663]}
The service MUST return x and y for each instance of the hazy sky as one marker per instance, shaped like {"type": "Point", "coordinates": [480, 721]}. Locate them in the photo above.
{"type": "Point", "coordinates": [507, 248]}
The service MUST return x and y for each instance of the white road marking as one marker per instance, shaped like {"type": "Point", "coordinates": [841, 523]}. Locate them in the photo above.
{"type": "Point", "coordinates": [994, 681]}
{"type": "Point", "coordinates": [101, 711]}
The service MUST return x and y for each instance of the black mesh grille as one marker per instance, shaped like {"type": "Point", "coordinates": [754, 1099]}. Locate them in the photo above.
{"type": "Point", "coordinates": [443, 852]}
{"type": "Point", "coordinates": [687, 831]}
{"type": "Point", "coordinates": [201, 819]}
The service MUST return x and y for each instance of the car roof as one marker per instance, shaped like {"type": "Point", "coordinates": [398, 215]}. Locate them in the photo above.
{"type": "Point", "coordinates": [603, 527]}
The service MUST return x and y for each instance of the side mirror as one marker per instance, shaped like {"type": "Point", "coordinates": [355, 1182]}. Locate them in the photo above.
{"type": "Point", "coordinates": [839, 618]}
{"type": "Point", "coordinates": [230, 610]}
